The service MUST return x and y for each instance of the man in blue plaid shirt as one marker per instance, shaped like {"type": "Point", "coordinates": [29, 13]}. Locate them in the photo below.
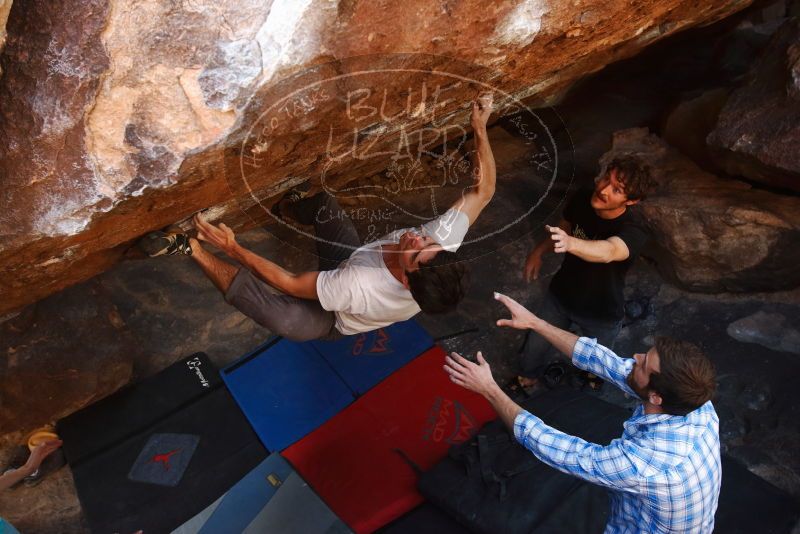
{"type": "Point", "coordinates": [663, 474]}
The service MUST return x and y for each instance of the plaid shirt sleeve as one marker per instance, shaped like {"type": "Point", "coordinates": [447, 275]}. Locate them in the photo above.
{"type": "Point", "coordinates": [611, 466]}
{"type": "Point", "coordinates": [597, 359]}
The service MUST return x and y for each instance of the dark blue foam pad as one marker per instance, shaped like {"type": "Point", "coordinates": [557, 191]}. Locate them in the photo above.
{"type": "Point", "coordinates": [271, 498]}
{"type": "Point", "coordinates": [363, 360]}
{"type": "Point", "coordinates": [242, 503]}
{"type": "Point", "coordinates": [286, 390]}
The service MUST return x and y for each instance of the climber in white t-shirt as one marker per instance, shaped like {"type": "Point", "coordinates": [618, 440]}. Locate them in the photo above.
{"type": "Point", "coordinates": [392, 279]}
{"type": "Point", "coordinates": [358, 288]}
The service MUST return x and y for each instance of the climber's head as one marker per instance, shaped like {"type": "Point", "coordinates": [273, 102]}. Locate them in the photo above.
{"type": "Point", "coordinates": [436, 278]}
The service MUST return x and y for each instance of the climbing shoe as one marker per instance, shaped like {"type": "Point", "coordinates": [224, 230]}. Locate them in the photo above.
{"type": "Point", "coordinates": [295, 194]}
{"type": "Point", "coordinates": [165, 244]}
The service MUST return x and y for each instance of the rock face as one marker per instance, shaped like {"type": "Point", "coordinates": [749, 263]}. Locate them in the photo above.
{"type": "Point", "coordinates": [758, 133]}
{"type": "Point", "coordinates": [120, 118]}
{"type": "Point", "coordinates": [60, 355]}
{"type": "Point", "coordinates": [5, 8]}
{"type": "Point", "coordinates": [79, 345]}
{"type": "Point", "coordinates": [715, 234]}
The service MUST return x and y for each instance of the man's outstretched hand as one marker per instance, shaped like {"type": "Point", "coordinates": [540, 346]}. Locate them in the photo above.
{"type": "Point", "coordinates": [562, 241]}
{"type": "Point", "coordinates": [521, 318]}
{"type": "Point", "coordinates": [220, 236]}
{"type": "Point", "coordinates": [475, 377]}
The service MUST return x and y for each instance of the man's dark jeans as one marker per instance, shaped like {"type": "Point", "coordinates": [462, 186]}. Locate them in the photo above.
{"type": "Point", "coordinates": [535, 353]}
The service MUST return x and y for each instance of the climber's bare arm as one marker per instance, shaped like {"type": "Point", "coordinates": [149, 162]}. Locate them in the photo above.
{"type": "Point", "coordinates": [301, 285]}
{"type": "Point", "coordinates": [479, 196]}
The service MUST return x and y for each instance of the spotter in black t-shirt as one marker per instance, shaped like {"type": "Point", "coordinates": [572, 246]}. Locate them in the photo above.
{"type": "Point", "coordinates": [596, 289]}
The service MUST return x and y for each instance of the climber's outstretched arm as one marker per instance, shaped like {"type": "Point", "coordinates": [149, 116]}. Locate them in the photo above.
{"type": "Point", "coordinates": [479, 196]}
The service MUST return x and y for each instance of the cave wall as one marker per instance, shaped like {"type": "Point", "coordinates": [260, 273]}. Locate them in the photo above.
{"type": "Point", "coordinates": [121, 118]}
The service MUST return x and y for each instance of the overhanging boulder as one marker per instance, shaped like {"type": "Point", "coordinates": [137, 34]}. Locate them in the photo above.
{"type": "Point", "coordinates": [119, 118]}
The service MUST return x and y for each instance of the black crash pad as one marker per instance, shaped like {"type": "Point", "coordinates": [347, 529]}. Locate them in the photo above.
{"type": "Point", "coordinates": [424, 519]}
{"type": "Point", "coordinates": [748, 503]}
{"type": "Point", "coordinates": [125, 412]}
{"type": "Point", "coordinates": [167, 464]}
{"type": "Point", "coordinates": [518, 493]}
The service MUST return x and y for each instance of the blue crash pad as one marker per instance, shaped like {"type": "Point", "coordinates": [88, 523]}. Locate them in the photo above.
{"type": "Point", "coordinates": [363, 360]}
{"type": "Point", "coordinates": [242, 502]}
{"type": "Point", "coordinates": [272, 498]}
{"type": "Point", "coordinates": [285, 390]}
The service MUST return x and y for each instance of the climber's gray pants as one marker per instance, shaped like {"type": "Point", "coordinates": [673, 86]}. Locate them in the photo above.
{"type": "Point", "coordinates": [291, 317]}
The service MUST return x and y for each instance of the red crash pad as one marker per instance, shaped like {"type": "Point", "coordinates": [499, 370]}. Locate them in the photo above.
{"type": "Point", "coordinates": [355, 460]}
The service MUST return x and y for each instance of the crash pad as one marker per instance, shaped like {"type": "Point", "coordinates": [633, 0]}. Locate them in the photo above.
{"type": "Point", "coordinates": [165, 465]}
{"type": "Point", "coordinates": [134, 407]}
{"type": "Point", "coordinates": [363, 360]}
{"type": "Point", "coordinates": [286, 390]}
{"type": "Point", "coordinates": [272, 498]}
{"type": "Point", "coordinates": [362, 461]}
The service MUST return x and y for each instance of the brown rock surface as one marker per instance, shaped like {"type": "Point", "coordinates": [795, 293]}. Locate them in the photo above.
{"type": "Point", "coordinates": [75, 347]}
{"type": "Point", "coordinates": [120, 118]}
{"type": "Point", "coordinates": [715, 234]}
{"type": "Point", "coordinates": [758, 133]}
{"type": "Point", "coordinates": [60, 355]}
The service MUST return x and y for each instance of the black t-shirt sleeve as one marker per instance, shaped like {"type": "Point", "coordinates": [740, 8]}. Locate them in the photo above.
{"type": "Point", "coordinates": [634, 237]}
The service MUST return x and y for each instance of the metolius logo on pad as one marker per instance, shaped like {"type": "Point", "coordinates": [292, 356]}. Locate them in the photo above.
{"type": "Point", "coordinates": [393, 144]}
{"type": "Point", "coordinates": [195, 364]}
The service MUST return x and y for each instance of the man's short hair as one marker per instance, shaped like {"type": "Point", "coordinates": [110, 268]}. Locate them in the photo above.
{"type": "Point", "coordinates": [635, 175]}
{"type": "Point", "coordinates": [440, 284]}
{"type": "Point", "coordinates": [686, 379]}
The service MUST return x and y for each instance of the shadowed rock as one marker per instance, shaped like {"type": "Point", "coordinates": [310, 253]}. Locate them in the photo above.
{"type": "Point", "coordinates": [758, 133]}
{"type": "Point", "coordinates": [768, 329]}
{"type": "Point", "coordinates": [60, 355]}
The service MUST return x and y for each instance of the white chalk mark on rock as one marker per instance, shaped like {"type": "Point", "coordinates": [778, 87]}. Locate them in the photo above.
{"type": "Point", "coordinates": [521, 25]}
